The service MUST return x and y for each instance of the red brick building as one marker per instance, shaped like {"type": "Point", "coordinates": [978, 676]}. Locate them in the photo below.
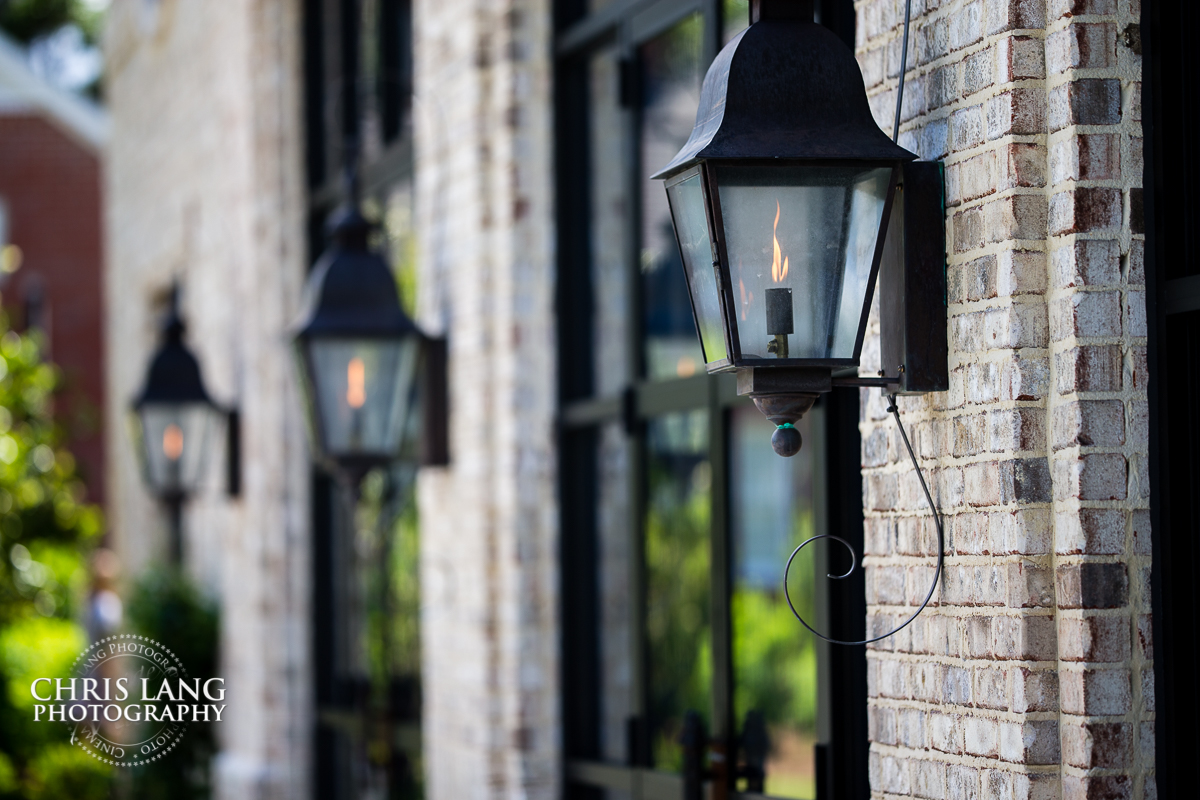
{"type": "Point", "coordinates": [51, 151]}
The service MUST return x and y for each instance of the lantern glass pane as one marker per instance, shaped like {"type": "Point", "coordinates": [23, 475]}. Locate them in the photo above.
{"type": "Point", "coordinates": [176, 438]}
{"type": "Point", "coordinates": [691, 229]}
{"type": "Point", "coordinates": [800, 242]}
{"type": "Point", "coordinates": [363, 390]}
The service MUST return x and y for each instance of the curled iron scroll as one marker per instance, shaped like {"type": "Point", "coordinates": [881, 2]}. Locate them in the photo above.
{"type": "Point", "coordinates": [941, 548]}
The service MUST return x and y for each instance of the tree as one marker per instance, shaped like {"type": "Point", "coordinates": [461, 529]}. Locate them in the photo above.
{"type": "Point", "coordinates": [46, 532]}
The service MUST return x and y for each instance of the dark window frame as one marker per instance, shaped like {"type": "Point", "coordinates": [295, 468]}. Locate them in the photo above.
{"type": "Point", "coordinates": [842, 761]}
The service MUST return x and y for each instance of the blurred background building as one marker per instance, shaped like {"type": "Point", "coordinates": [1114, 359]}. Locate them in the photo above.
{"type": "Point", "coordinates": [52, 142]}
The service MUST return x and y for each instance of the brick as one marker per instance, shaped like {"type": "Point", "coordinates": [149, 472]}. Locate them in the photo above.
{"type": "Point", "coordinates": [1034, 690]}
{"type": "Point", "coordinates": [1087, 157]}
{"type": "Point", "coordinates": [1140, 373]}
{"type": "Point", "coordinates": [1095, 692]}
{"type": "Point", "coordinates": [875, 448]}
{"type": "Point", "coordinates": [982, 484]}
{"type": "Point", "coordinates": [935, 140]}
{"type": "Point", "coordinates": [1092, 585]}
{"type": "Point", "coordinates": [882, 491]}
{"type": "Point", "coordinates": [1020, 111]}
{"type": "Point", "coordinates": [1135, 273]}
{"type": "Point", "coordinates": [971, 179]}
{"type": "Point", "coordinates": [1148, 689]}
{"type": "Point", "coordinates": [1021, 58]}
{"type": "Point", "coordinates": [1099, 787]}
{"type": "Point", "coordinates": [981, 736]}
{"type": "Point", "coordinates": [1030, 585]}
{"type": "Point", "coordinates": [1135, 101]}
{"type": "Point", "coordinates": [1138, 427]}
{"type": "Point", "coordinates": [956, 685]}
{"type": "Point", "coordinates": [1030, 742]}
{"type": "Point", "coordinates": [946, 732]}
{"type": "Point", "coordinates": [883, 720]}
{"type": "Point", "coordinates": [978, 637]}
{"type": "Point", "coordinates": [1098, 476]}
{"type": "Point", "coordinates": [983, 382]}
{"type": "Point", "coordinates": [1025, 378]}
{"type": "Point", "coordinates": [942, 87]}
{"type": "Point", "coordinates": [910, 728]}
{"type": "Point", "coordinates": [991, 687]}
{"type": "Point", "coordinates": [1025, 531]}
{"type": "Point", "coordinates": [1081, 46]}
{"type": "Point", "coordinates": [1086, 315]}
{"type": "Point", "coordinates": [1026, 638]}
{"type": "Point", "coordinates": [1088, 101]}
{"type": "Point", "coordinates": [970, 435]}
{"type": "Point", "coordinates": [1088, 262]}
{"type": "Point", "coordinates": [966, 25]}
{"type": "Point", "coordinates": [1090, 531]}
{"type": "Point", "coordinates": [1017, 429]}
{"type": "Point", "coordinates": [1074, 8]}
{"type": "Point", "coordinates": [1023, 166]}
{"type": "Point", "coordinates": [967, 127]}
{"type": "Point", "coordinates": [1025, 480]}
{"type": "Point", "coordinates": [932, 40]}
{"type": "Point", "coordinates": [892, 679]}
{"type": "Point", "coordinates": [1091, 368]}
{"type": "Point", "coordinates": [979, 71]}
{"type": "Point", "coordinates": [1085, 210]}
{"type": "Point", "coordinates": [1088, 423]}
{"type": "Point", "coordinates": [1097, 744]}
{"type": "Point", "coordinates": [1141, 533]}
{"type": "Point", "coordinates": [1135, 313]}
{"type": "Point", "coordinates": [890, 773]}
{"type": "Point", "coordinates": [1007, 15]}
{"type": "Point", "coordinates": [962, 783]}
{"type": "Point", "coordinates": [886, 586]}
{"type": "Point", "coordinates": [1092, 638]}
{"type": "Point", "coordinates": [929, 779]}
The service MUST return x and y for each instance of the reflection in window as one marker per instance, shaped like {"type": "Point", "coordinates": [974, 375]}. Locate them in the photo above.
{"type": "Point", "coordinates": [774, 658]}
{"type": "Point", "coordinates": [670, 93]}
{"type": "Point", "coordinates": [678, 628]}
{"type": "Point", "coordinates": [614, 572]}
{"type": "Point", "coordinates": [609, 225]}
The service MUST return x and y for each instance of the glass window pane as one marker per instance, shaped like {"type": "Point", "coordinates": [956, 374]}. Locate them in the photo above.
{"type": "Point", "coordinates": [614, 569]}
{"type": "Point", "coordinates": [678, 630]}
{"type": "Point", "coordinates": [774, 657]}
{"type": "Point", "coordinates": [691, 227]}
{"type": "Point", "coordinates": [800, 243]}
{"type": "Point", "coordinates": [670, 93]}
{"type": "Point", "coordinates": [176, 440]}
{"type": "Point", "coordinates": [609, 206]}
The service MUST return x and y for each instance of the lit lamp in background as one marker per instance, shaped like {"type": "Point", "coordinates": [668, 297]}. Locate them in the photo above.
{"type": "Point", "coordinates": [781, 200]}
{"type": "Point", "coordinates": [177, 423]}
{"type": "Point", "coordinates": [359, 354]}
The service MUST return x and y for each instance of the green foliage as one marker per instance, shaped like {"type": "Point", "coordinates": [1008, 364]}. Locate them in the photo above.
{"type": "Point", "coordinates": [26, 20]}
{"type": "Point", "coordinates": [165, 606]}
{"type": "Point", "coordinates": [45, 535]}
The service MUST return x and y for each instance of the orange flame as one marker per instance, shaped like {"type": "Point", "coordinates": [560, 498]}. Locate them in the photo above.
{"type": "Point", "coordinates": [356, 383]}
{"type": "Point", "coordinates": [173, 442]}
{"type": "Point", "coordinates": [778, 271]}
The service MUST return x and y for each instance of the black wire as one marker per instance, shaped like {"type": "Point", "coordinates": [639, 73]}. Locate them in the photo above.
{"type": "Point", "coordinates": [903, 69]}
{"type": "Point", "coordinates": [941, 536]}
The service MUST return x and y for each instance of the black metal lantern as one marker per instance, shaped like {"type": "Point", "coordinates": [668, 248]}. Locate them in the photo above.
{"type": "Point", "coordinates": [781, 200]}
{"type": "Point", "coordinates": [176, 422]}
{"type": "Point", "coordinates": [177, 419]}
{"type": "Point", "coordinates": [359, 353]}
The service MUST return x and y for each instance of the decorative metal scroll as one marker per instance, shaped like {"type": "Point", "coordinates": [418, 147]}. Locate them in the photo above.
{"type": "Point", "coordinates": [941, 547]}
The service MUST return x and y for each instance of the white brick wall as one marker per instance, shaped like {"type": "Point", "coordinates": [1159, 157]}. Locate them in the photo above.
{"type": "Point", "coordinates": [1031, 678]}
{"type": "Point", "coordinates": [204, 182]}
{"type": "Point", "coordinates": [489, 520]}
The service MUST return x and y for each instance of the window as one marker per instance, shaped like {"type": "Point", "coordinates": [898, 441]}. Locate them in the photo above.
{"type": "Point", "coordinates": [367, 638]}
{"type": "Point", "coordinates": [677, 517]}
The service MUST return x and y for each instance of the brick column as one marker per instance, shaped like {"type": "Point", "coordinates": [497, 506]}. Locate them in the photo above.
{"type": "Point", "coordinates": [489, 568]}
{"type": "Point", "coordinates": [1030, 677]}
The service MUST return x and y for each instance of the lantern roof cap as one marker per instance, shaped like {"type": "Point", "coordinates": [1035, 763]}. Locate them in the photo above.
{"type": "Point", "coordinates": [174, 374]}
{"type": "Point", "coordinates": [785, 88]}
{"type": "Point", "coordinates": [351, 291]}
